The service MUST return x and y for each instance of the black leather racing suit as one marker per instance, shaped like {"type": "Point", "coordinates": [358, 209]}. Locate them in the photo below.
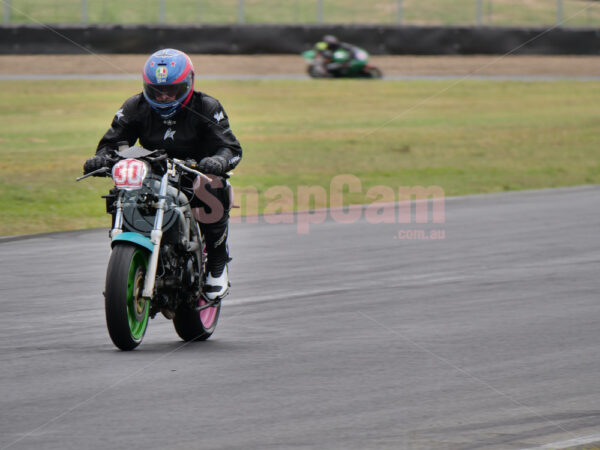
{"type": "Point", "coordinates": [199, 129]}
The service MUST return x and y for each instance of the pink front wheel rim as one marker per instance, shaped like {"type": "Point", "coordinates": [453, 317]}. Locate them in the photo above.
{"type": "Point", "coordinates": [208, 315]}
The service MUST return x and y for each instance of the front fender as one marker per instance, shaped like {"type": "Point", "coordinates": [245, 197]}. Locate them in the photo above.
{"type": "Point", "coordinates": [309, 55]}
{"type": "Point", "coordinates": [134, 238]}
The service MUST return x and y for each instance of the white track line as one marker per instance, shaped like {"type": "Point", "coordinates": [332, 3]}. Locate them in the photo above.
{"type": "Point", "coordinates": [568, 443]}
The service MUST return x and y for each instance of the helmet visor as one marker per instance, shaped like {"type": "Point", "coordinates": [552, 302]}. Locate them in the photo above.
{"type": "Point", "coordinates": [165, 94]}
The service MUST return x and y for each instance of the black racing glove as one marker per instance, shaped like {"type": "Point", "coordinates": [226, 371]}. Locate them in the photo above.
{"type": "Point", "coordinates": [191, 163]}
{"type": "Point", "coordinates": [94, 163]}
{"type": "Point", "coordinates": [214, 165]}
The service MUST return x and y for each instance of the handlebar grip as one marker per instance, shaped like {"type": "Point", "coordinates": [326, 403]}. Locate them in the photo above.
{"type": "Point", "coordinates": [152, 160]}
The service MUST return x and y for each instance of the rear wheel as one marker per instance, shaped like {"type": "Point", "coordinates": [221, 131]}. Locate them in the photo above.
{"type": "Point", "coordinates": [373, 72]}
{"type": "Point", "coordinates": [192, 325]}
{"type": "Point", "coordinates": [126, 309]}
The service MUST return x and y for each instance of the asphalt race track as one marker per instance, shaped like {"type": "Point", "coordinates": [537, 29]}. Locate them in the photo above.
{"type": "Point", "coordinates": [350, 336]}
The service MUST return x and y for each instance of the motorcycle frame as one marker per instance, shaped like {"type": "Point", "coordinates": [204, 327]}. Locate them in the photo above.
{"type": "Point", "coordinates": [187, 225]}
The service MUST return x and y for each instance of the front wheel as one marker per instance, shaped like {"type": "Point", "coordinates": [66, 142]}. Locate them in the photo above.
{"type": "Point", "coordinates": [126, 309]}
{"type": "Point", "coordinates": [317, 72]}
{"type": "Point", "coordinates": [192, 325]}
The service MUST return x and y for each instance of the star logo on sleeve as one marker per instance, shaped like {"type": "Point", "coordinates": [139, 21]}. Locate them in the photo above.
{"type": "Point", "coordinates": [169, 134]}
{"type": "Point", "coordinates": [119, 114]}
{"type": "Point", "coordinates": [219, 116]}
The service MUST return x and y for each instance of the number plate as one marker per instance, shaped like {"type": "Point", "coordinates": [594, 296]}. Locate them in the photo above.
{"type": "Point", "coordinates": [129, 174]}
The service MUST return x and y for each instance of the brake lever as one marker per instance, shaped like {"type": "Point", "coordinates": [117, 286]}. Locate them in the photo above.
{"type": "Point", "coordinates": [103, 170]}
{"type": "Point", "coordinates": [185, 168]}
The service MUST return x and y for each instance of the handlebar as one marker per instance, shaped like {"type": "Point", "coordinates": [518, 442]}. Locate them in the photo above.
{"type": "Point", "coordinates": [101, 170]}
{"type": "Point", "coordinates": [105, 171]}
{"type": "Point", "coordinates": [159, 158]}
{"type": "Point", "coordinates": [181, 164]}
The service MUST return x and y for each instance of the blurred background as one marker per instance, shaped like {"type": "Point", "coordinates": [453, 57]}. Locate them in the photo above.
{"type": "Point", "coordinates": [450, 112]}
{"type": "Point", "coordinates": [577, 13]}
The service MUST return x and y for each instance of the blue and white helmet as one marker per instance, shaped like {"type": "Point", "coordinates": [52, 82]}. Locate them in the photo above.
{"type": "Point", "coordinates": [168, 81]}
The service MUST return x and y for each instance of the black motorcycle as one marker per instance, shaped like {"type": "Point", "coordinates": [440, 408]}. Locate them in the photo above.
{"type": "Point", "coordinates": [158, 259]}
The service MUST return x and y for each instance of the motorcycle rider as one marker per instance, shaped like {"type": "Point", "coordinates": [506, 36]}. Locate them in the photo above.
{"type": "Point", "coordinates": [357, 57]}
{"type": "Point", "coordinates": [190, 125]}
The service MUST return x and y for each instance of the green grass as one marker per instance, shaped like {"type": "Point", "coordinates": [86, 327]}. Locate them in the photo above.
{"type": "Point", "coordinates": [430, 12]}
{"type": "Point", "coordinates": [470, 137]}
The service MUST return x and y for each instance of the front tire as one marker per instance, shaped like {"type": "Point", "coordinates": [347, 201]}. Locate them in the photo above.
{"type": "Point", "coordinates": [315, 72]}
{"type": "Point", "coordinates": [192, 325]}
{"type": "Point", "coordinates": [126, 309]}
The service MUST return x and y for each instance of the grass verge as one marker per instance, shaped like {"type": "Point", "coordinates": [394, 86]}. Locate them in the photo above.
{"type": "Point", "coordinates": [472, 137]}
{"type": "Point", "coordinates": [431, 12]}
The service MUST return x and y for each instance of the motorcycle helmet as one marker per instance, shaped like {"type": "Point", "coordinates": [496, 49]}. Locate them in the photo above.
{"type": "Point", "coordinates": [321, 46]}
{"type": "Point", "coordinates": [331, 40]}
{"type": "Point", "coordinates": [168, 81]}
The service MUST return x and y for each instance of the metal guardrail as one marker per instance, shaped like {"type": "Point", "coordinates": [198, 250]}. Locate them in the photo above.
{"type": "Point", "coordinates": [418, 12]}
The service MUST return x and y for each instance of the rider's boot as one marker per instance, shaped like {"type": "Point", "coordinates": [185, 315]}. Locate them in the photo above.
{"type": "Point", "coordinates": [215, 234]}
{"type": "Point", "coordinates": [217, 279]}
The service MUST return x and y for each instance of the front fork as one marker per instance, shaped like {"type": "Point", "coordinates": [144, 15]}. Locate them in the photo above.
{"type": "Point", "coordinates": [156, 237]}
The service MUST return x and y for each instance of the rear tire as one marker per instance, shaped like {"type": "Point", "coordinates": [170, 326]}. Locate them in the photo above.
{"type": "Point", "coordinates": [126, 310]}
{"type": "Point", "coordinates": [193, 325]}
{"type": "Point", "coordinates": [373, 72]}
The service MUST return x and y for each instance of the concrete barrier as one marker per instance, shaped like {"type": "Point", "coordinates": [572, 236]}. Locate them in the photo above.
{"type": "Point", "coordinates": [265, 39]}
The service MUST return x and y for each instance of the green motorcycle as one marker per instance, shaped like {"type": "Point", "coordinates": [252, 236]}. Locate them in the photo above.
{"type": "Point", "coordinates": [339, 64]}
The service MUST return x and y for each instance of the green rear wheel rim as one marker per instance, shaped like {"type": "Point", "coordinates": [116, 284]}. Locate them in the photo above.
{"type": "Point", "coordinates": [137, 306]}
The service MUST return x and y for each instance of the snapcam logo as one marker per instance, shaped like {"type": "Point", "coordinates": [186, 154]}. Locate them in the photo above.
{"type": "Point", "coordinates": [401, 205]}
